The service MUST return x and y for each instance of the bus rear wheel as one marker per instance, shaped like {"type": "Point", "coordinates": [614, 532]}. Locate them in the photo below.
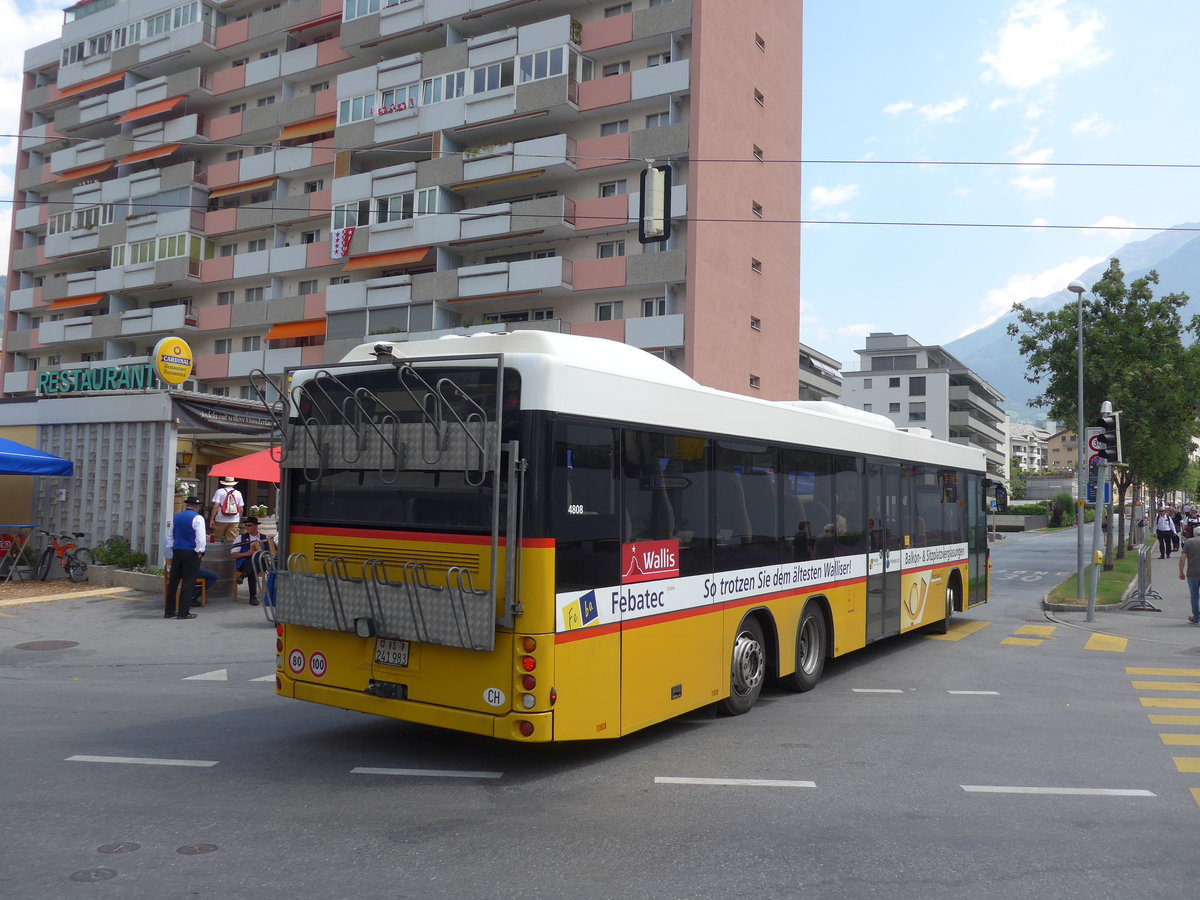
{"type": "Point", "coordinates": [943, 627]}
{"type": "Point", "coordinates": [747, 669]}
{"type": "Point", "coordinates": [812, 641]}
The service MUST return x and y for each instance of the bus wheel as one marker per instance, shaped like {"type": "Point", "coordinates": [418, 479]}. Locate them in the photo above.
{"type": "Point", "coordinates": [943, 627]}
{"type": "Point", "coordinates": [811, 643]}
{"type": "Point", "coordinates": [747, 671]}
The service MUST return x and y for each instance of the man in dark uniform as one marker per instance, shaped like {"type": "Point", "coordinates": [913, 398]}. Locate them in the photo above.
{"type": "Point", "coordinates": [188, 542]}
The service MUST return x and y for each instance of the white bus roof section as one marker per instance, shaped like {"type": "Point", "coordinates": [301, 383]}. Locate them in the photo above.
{"type": "Point", "coordinates": [605, 379]}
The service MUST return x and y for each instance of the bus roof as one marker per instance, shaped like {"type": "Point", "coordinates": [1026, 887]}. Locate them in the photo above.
{"type": "Point", "coordinates": [606, 379]}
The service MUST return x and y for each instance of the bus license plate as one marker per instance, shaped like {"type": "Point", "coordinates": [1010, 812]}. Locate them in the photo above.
{"type": "Point", "coordinates": [391, 653]}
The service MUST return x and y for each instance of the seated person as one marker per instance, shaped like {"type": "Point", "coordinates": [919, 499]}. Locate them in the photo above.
{"type": "Point", "coordinates": [826, 544]}
{"type": "Point", "coordinates": [242, 552]}
{"type": "Point", "coordinates": [802, 543]}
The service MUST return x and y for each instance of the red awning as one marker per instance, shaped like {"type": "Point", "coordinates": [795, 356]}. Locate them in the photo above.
{"type": "Point", "coordinates": [241, 188]}
{"type": "Point", "coordinates": [313, 23]}
{"type": "Point", "coordinates": [389, 259]}
{"type": "Point", "coordinates": [150, 109]}
{"type": "Point", "coordinates": [261, 466]}
{"type": "Point", "coordinates": [291, 330]}
{"type": "Point", "coordinates": [74, 302]}
{"type": "Point", "coordinates": [152, 153]}
{"type": "Point", "coordinates": [85, 171]}
{"type": "Point", "coordinates": [309, 128]}
{"type": "Point", "coordinates": [85, 86]}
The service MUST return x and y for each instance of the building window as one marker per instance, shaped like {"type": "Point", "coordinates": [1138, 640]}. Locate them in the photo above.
{"type": "Point", "coordinates": [356, 9]}
{"type": "Point", "coordinates": [308, 287]}
{"type": "Point", "coordinates": [758, 98]}
{"type": "Point", "coordinates": [756, 209]}
{"type": "Point", "coordinates": [613, 188]}
{"type": "Point", "coordinates": [260, 197]}
{"type": "Point", "coordinates": [755, 323]}
{"type": "Point", "coordinates": [620, 9]}
{"type": "Point", "coordinates": [311, 187]}
{"type": "Point", "coordinates": [427, 202]}
{"type": "Point", "coordinates": [916, 412]}
{"type": "Point", "coordinates": [256, 246]}
{"type": "Point", "coordinates": [356, 109]}
{"type": "Point", "coordinates": [142, 251]}
{"type": "Point", "coordinates": [893, 407]}
{"type": "Point", "coordinates": [225, 298]}
{"type": "Point", "coordinates": [543, 64]}
{"type": "Point", "coordinates": [654, 306]}
{"type": "Point", "coordinates": [310, 237]}
{"type": "Point", "coordinates": [893, 382]}
{"type": "Point", "coordinates": [658, 120]}
{"type": "Point", "coordinates": [866, 384]}
{"type": "Point", "coordinates": [267, 54]}
{"type": "Point", "coordinates": [227, 250]}
{"type": "Point", "coordinates": [253, 294]}
{"type": "Point", "coordinates": [754, 382]}
{"type": "Point", "coordinates": [610, 249]}
{"type": "Point", "coordinates": [237, 108]}
{"type": "Point", "coordinates": [253, 342]}
{"type": "Point", "coordinates": [756, 266]}
{"type": "Point", "coordinates": [658, 59]}
{"type": "Point", "coordinates": [318, 87]}
{"type": "Point", "coordinates": [350, 215]}
{"type": "Point", "coordinates": [866, 407]}
{"type": "Point", "coordinates": [238, 63]}
{"type": "Point", "coordinates": [492, 76]}
{"type": "Point", "coordinates": [223, 346]}
{"type": "Point", "coordinates": [339, 279]}
{"type": "Point", "coordinates": [233, 155]}
{"type": "Point", "coordinates": [610, 128]}
{"type": "Point", "coordinates": [219, 392]}
{"type": "Point", "coordinates": [443, 87]}
{"type": "Point", "coordinates": [617, 68]}
{"type": "Point", "coordinates": [916, 386]}
{"type": "Point", "coordinates": [610, 311]}
{"type": "Point", "coordinates": [265, 101]}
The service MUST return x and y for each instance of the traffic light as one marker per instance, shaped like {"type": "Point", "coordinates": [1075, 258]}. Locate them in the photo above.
{"type": "Point", "coordinates": [654, 218]}
{"type": "Point", "coordinates": [1108, 442]}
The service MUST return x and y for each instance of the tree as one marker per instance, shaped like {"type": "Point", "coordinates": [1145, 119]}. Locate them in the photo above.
{"type": "Point", "coordinates": [1017, 489]}
{"type": "Point", "coordinates": [1133, 356]}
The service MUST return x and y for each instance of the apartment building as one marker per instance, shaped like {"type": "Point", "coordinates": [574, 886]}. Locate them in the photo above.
{"type": "Point", "coordinates": [922, 386]}
{"type": "Point", "coordinates": [275, 182]}
{"type": "Point", "coordinates": [1027, 444]}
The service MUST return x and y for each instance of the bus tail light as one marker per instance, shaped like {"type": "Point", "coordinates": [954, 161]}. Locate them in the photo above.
{"type": "Point", "coordinates": [528, 663]}
{"type": "Point", "coordinates": [526, 728]}
{"type": "Point", "coordinates": [279, 630]}
{"type": "Point", "coordinates": [553, 696]}
{"type": "Point", "coordinates": [278, 645]}
{"type": "Point", "coordinates": [528, 644]}
{"type": "Point", "coordinates": [528, 682]}
{"type": "Point", "coordinates": [528, 701]}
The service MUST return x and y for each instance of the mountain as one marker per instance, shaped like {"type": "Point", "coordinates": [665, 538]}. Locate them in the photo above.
{"type": "Point", "coordinates": [993, 355]}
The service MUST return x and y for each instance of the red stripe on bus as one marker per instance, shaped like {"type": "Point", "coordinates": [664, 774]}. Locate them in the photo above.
{"type": "Point", "coordinates": [378, 535]}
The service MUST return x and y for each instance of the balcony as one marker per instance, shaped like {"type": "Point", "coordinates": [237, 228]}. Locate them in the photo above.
{"type": "Point", "coordinates": [162, 320]}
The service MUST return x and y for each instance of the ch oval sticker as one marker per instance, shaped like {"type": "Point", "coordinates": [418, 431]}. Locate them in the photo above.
{"type": "Point", "coordinates": [493, 697]}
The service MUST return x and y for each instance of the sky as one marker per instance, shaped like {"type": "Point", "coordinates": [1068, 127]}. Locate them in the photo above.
{"type": "Point", "coordinates": [1021, 87]}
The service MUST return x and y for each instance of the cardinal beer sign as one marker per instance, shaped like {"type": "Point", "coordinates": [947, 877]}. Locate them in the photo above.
{"type": "Point", "coordinates": [649, 561]}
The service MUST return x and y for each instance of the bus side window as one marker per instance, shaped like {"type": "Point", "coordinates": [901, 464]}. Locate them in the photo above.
{"type": "Point", "coordinates": [583, 508]}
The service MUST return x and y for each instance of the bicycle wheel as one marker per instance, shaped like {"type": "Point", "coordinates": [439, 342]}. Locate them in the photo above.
{"type": "Point", "coordinates": [84, 555]}
{"type": "Point", "coordinates": [77, 568]}
{"type": "Point", "coordinates": [43, 566]}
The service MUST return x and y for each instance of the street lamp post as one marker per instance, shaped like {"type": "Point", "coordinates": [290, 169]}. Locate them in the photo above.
{"type": "Point", "coordinates": [1077, 288]}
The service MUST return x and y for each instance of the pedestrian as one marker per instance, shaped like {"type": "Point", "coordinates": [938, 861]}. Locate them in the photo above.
{"type": "Point", "coordinates": [802, 543]}
{"type": "Point", "coordinates": [1177, 518]}
{"type": "Point", "coordinates": [1190, 523]}
{"type": "Point", "coordinates": [188, 542]}
{"type": "Point", "coordinates": [1189, 570]}
{"type": "Point", "coordinates": [227, 506]}
{"type": "Point", "coordinates": [1164, 530]}
{"type": "Point", "coordinates": [249, 543]}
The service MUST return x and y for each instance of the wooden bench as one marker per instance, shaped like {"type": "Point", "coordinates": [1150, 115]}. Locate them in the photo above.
{"type": "Point", "coordinates": [200, 583]}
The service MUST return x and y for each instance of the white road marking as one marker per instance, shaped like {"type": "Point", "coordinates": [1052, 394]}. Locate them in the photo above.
{"type": "Point", "coordinates": [1086, 792]}
{"type": "Point", "coordinates": [144, 761]}
{"type": "Point", "coordinates": [736, 782]}
{"type": "Point", "coordinates": [424, 773]}
{"type": "Point", "coordinates": [264, 678]}
{"type": "Point", "coordinates": [215, 675]}
{"type": "Point", "coordinates": [974, 693]}
{"type": "Point", "coordinates": [877, 690]}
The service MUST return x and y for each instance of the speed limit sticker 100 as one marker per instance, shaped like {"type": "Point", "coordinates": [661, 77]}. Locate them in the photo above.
{"type": "Point", "coordinates": [317, 664]}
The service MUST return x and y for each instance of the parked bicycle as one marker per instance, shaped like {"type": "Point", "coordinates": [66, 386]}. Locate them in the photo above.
{"type": "Point", "coordinates": [74, 559]}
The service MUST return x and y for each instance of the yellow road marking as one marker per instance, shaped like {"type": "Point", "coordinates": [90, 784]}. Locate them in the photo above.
{"type": "Point", "coordinates": [1106, 642]}
{"type": "Point", "coordinates": [1187, 763]}
{"type": "Point", "coordinates": [1181, 740]}
{"type": "Point", "coordinates": [99, 592]}
{"type": "Point", "coordinates": [1196, 795]}
{"type": "Point", "coordinates": [1023, 642]}
{"type": "Point", "coordinates": [1039, 630]}
{"type": "Point", "coordinates": [1166, 685]}
{"type": "Point", "coordinates": [1172, 720]}
{"type": "Point", "coordinates": [1182, 673]}
{"type": "Point", "coordinates": [1169, 703]}
{"type": "Point", "coordinates": [958, 631]}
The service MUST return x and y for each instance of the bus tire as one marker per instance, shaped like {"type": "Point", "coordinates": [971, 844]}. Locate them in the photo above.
{"type": "Point", "coordinates": [943, 626]}
{"type": "Point", "coordinates": [747, 669]}
{"type": "Point", "coordinates": [812, 646]}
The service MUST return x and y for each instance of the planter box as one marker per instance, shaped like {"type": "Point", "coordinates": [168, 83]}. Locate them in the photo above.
{"type": "Point", "coordinates": [138, 581]}
{"type": "Point", "coordinates": [1017, 523]}
{"type": "Point", "coordinates": [101, 576]}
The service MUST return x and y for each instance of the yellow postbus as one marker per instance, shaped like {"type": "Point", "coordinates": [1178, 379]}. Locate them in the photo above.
{"type": "Point", "coordinates": [545, 537]}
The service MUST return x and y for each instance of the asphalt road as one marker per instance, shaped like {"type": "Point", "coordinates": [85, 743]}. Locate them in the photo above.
{"type": "Point", "coordinates": [1017, 759]}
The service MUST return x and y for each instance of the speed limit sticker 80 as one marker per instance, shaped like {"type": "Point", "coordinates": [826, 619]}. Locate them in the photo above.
{"type": "Point", "coordinates": [296, 661]}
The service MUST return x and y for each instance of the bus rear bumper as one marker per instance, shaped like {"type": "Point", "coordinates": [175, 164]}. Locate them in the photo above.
{"type": "Point", "coordinates": [506, 726]}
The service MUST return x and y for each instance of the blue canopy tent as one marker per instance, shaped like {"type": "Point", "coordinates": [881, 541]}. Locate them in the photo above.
{"type": "Point", "coordinates": [17, 459]}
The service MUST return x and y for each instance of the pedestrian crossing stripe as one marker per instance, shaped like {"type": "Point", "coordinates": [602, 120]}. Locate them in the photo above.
{"type": "Point", "coordinates": [1169, 703]}
{"type": "Point", "coordinates": [1196, 795]}
{"type": "Point", "coordinates": [1036, 630]}
{"type": "Point", "coordinates": [958, 631]}
{"type": "Point", "coordinates": [1172, 720]}
{"type": "Point", "coordinates": [1166, 686]}
{"type": "Point", "coordinates": [1180, 673]}
{"type": "Point", "coordinates": [1187, 764]}
{"type": "Point", "coordinates": [1023, 642]}
{"type": "Point", "coordinates": [1106, 642]}
{"type": "Point", "coordinates": [1181, 740]}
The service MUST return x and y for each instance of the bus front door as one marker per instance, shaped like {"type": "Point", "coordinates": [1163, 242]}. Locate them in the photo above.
{"type": "Point", "coordinates": [883, 550]}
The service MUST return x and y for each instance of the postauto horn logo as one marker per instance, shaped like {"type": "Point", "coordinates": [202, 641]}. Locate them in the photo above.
{"type": "Point", "coordinates": [173, 360]}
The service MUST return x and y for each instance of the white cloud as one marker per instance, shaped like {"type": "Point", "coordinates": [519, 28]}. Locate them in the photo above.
{"type": "Point", "coordinates": [1113, 228]}
{"type": "Point", "coordinates": [963, 192]}
{"type": "Point", "coordinates": [894, 109]}
{"type": "Point", "coordinates": [1037, 157]}
{"type": "Point", "coordinates": [25, 25]}
{"type": "Point", "coordinates": [1024, 286]}
{"type": "Point", "coordinates": [1040, 41]}
{"type": "Point", "coordinates": [1092, 126]}
{"type": "Point", "coordinates": [1000, 103]}
{"type": "Point", "coordinates": [1035, 187]}
{"type": "Point", "coordinates": [1038, 224]}
{"type": "Point", "coordinates": [943, 112]}
{"type": "Point", "coordinates": [820, 197]}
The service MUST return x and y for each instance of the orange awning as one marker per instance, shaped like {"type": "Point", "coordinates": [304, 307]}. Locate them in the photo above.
{"type": "Point", "coordinates": [74, 302]}
{"type": "Point", "coordinates": [241, 188]}
{"type": "Point", "coordinates": [289, 330]}
{"type": "Point", "coordinates": [85, 171]}
{"type": "Point", "coordinates": [309, 128]}
{"type": "Point", "coordinates": [152, 153]}
{"type": "Point", "coordinates": [94, 83]}
{"type": "Point", "coordinates": [386, 260]}
{"type": "Point", "coordinates": [313, 23]}
{"type": "Point", "coordinates": [150, 109]}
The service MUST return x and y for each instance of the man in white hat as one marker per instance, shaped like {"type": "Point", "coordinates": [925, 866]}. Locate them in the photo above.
{"type": "Point", "coordinates": [227, 506]}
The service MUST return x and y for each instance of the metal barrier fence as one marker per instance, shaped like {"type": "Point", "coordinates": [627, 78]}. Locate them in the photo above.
{"type": "Point", "coordinates": [1140, 598]}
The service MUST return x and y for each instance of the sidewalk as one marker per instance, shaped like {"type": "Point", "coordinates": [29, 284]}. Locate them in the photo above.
{"type": "Point", "coordinates": [1170, 626]}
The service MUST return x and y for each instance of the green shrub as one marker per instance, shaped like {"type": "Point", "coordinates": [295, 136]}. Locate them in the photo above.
{"type": "Point", "coordinates": [117, 552]}
{"type": "Point", "coordinates": [1028, 509]}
